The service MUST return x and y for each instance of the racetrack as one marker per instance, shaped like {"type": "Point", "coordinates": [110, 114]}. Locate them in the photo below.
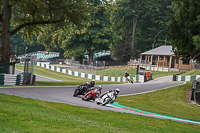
{"type": "Point", "coordinates": [64, 94]}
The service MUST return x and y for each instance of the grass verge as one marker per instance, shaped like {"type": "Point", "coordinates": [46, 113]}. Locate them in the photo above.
{"type": "Point", "coordinates": [170, 102]}
{"type": "Point", "coordinates": [65, 79]}
{"type": "Point", "coordinates": [68, 80]}
{"type": "Point", "coordinates": [29, 115]}
{"type": "Point", "coordinates": [119, 71]}
{"type": "Point", "coordinates": [192, 72]}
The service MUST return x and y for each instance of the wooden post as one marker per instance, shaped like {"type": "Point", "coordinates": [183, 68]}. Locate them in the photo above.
{"type": "Point", "coordinates": [151, 61]}
{"type": "Point", "coordinates": [158, 61]}
{"type": "Point", "coordinates": [170, 61]}
{"type": "Point", "coordinates": [163, 63]}
{"type": "Point", "coordinates": [145, 60]}
{"type": "Point", "coordinates": [190, 64]}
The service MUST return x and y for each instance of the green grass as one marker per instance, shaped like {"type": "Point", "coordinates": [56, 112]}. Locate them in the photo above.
{"type": "Point", "coordinates": [69, 80]}
{"type": "Point", "coordinates": [157, 74]}
{"type": "Point", "coordinates": [65, 79]}
{"type": "Point", "coordinates": [29, 115]}
{"type": "Point", "coordinates": [192, 72]}
{"type": "Point", "coordinates": [170, 102]}
{"type": "Point", "coordinates": [119, 71]}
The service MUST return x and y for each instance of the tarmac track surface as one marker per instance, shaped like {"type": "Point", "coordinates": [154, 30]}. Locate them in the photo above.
{"type": "Point", "coordinates": [64, 94]}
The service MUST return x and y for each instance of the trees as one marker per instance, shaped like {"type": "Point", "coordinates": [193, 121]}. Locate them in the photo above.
{"type": "Point", "coordinates": [30, 15]}
{"type": "Point", "coordinates": [185, 29]}
{"type": "Point", "coordinates": [94, 36]}
{"type": "Point", "coordinates": [144, 21]}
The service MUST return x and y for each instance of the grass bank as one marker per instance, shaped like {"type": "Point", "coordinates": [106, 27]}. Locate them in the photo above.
{"type": "Point", "coordinates": [170, 102]}
{"type": "Point", "coordinates": [29, 115]}
{"type": "Point", "coordinates": [119, 71]}
{"type": "Point", "coordinates": [65, 79]}
{"type": "Point", "coordinates": [192, 72]}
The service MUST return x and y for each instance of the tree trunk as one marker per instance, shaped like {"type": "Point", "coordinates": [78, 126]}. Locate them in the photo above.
{"type": "Point", "coordinates": [5, 46]}
{"type": "Point", "coordinates": [91, 54]}
{"type": "Point", "coordinates": [133, 37]}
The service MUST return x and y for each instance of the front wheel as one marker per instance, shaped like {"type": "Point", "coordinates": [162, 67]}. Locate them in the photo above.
{"type": "Point", "coordinates": [87, 98]}
{"type": "Point", "coordinates": [76, 92]}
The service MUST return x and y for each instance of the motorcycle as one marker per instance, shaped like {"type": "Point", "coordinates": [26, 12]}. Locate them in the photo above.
{"type": "Point", "coordinates": [91, 95]}
{"type": "Point", "coordinates": [81, 90]}
{"type": "Point", "coordinates": [129, 79]}
{"type": "Point", "coordinates": [84, 88]}
{"type": "Point", "coordinates": [107, 98]}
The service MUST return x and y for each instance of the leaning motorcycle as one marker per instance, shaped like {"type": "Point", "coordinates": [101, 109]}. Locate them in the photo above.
{"type": "Point", "coordinates": [91, 95]}
{"type": "Point", "coordinates": [80, 90]}
{"type": "Point", "coordinates": [129, 79]}
{"type": "Point", "coordinates": [107, 98]}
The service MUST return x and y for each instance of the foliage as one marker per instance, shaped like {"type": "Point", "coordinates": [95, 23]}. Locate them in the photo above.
{"type": "Point", "coordinates": [152, 18]}
{"type": "Point", "coordinates": [29, 16]}
{"type": "Point", "coordinates": [121, 50]}
{"type": "Point", "coordinates": [18, 44]}
{"type": "Point", "coordinates": [94, 36]}
{"type": "Point", "coordinates": [185, 29]}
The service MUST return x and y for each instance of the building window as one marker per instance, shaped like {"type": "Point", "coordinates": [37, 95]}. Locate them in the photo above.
{"type": "Point", "coordinates": [186, 61]}
{"type": "Point", "coordinates": [167, 60]}
{"type": "Point", "coordinates": [177, 59]}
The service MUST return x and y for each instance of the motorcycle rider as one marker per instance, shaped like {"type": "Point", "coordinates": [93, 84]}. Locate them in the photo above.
{"type": "Point", "coordinates": [115, 93]}
{"type": "Point", "coordinates": [90, 84]}
{"type": "Point", "coordinates": [95, 91]}
{"type": "Point", "coordinates": [126, 74]}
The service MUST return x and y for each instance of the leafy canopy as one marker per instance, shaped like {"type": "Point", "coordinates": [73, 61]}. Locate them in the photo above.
{"type": "Point", "coordinates": [95, 35]}
{"type": "Point", "coordinates": [185, 29]}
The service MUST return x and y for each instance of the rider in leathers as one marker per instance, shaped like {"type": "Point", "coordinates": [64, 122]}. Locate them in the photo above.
{"type": "Point", "coordinates": [115, 93]}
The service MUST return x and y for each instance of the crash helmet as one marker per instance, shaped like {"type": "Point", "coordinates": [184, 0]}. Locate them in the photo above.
{"type": "Point", "coordinates": [117, 90]}
{"type": "Point", "coordinates": [125, 72]}
{"type": "Point", "coordinates": [100, 88]}
{"type": "Point", "coordinates": [93, 83]}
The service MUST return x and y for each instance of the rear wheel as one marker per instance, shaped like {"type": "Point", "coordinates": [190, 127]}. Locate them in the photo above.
{"type": "Point", "coordinates": [106, 101]}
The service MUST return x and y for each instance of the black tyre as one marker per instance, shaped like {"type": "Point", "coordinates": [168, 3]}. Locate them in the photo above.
{"type": "Point", "coordinates": [76, 92]}
{"type": "Point", "coordinates": [87, 98]}
{"type": "Point", "coordinates": [106, 101]}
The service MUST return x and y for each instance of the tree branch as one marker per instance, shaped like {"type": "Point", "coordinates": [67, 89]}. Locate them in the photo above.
{"type": "Point", "coordinates": [33, 23]}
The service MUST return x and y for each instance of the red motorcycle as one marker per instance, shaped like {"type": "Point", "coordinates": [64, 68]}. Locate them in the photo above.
{"type": "Point", "coordinates": [91, 95]}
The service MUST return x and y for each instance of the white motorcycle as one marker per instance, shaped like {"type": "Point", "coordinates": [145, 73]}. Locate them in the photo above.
{"type": "Point", "coordinates": [107, 98]}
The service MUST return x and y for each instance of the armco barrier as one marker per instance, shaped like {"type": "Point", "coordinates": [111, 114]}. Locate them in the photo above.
{"type": "Point", "coordinates": [10, 79]}
{"type": "Point", "coordinates": [47, 65]}
{"type": "Point", "coordinates": [187, 78]}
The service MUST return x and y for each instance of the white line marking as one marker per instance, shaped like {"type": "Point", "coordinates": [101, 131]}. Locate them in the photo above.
{"type": "Point", "coordinates": [151, 91]}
